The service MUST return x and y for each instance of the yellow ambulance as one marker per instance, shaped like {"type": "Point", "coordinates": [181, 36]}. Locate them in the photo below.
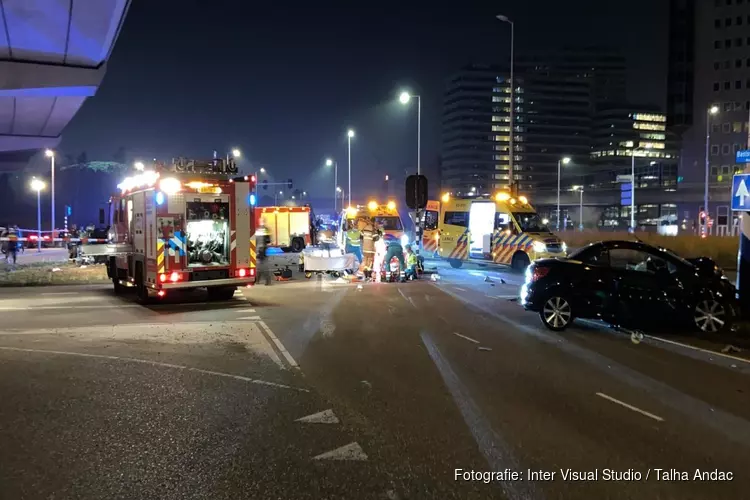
{"type": "Point", "coordinates": [501, 229]}
{"type": "Point", "coordinates": [385, 215]}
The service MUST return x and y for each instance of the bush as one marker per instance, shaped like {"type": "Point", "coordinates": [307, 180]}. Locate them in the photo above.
{"type": "Point", "coordinates": [722, 249]}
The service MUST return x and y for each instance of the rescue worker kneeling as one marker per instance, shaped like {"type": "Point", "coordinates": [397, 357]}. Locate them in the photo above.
{"type": "Point", "coordinates": [395, 250]}
{"type": "Point", "coordinates": [411, 264]}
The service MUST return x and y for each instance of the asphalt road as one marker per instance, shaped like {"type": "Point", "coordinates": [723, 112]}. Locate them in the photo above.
{"type": "Point", "coordinates": [313, 389]}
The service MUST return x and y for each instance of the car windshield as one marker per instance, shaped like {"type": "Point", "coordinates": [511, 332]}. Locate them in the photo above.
{"type": "Point", "coordinates": [583, 253]}
{"type": "Point", "coordinates": [390, 223]}
{"type": "Point", "coordinates": [531, 222]}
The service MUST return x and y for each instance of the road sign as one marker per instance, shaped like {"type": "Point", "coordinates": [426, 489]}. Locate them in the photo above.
{"type": "Point", "coordinates": [626, 194]}
{"type": "Point", "coordinates": [743, 156]}
{"type": "Point", "coordinates": [624, 178]}
{"type": "Point", "coordinates": [740, 193]}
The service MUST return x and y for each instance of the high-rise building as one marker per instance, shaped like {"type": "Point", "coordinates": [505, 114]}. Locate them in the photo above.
{"type": "Point", "coordinates": [556, 97]}
{"type": "Point", "coordinates": [681, 71]}
{"type": "Point", "coordinates": [718, 32]}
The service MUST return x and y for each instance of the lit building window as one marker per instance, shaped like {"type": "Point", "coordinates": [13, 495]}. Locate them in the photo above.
{"type": "Point", "coordinates": [648, 117]}
{"type": "Point", "coordinates": [648, 126]}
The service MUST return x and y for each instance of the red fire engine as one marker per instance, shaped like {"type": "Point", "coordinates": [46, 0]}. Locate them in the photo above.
{"type": "Point", "coordinates": [182, 226]}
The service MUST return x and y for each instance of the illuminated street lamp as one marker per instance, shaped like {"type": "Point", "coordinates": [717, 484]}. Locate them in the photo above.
{"type": "Point", "coordinates": [51, 155]}
{"type": "Point", "coordinates": [236, 153]}
{"type": "Point", "coordinates": [404, 98]}
{"type": "Point", "coordinates": [38, 186]}
{"type": "Point", "coordinates": [350, 136]}
{"type": "Point", "coordinates": [711, 111]}
{"type": "Point", "coordinates": [560, 163]}
{"type": "Point", "coordinates": [139, 166]}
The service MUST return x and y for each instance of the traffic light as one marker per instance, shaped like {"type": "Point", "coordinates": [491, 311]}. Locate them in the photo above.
{"type": "Point", "coordinates": [416, 192]}
{"type": "Point", "coordinates": [265, 183]}
{"type": "Point", "coordinates": [68, 210]}
{"type": "Point", "coordinates": [289, 184]}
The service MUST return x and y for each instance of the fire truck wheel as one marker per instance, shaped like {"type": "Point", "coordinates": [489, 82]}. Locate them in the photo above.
{"type": "Point", "coordinates": [219, 293]}
{"type": "Point", "coordinates": [455, 263]}
{"type": "Point", "coordinates": [140, 288]}
{"type": "Point", "coordinates": [298, 244]}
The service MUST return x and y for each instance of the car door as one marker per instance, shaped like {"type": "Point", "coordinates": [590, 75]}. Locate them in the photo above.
{"type": "Point", "coordinates": [644, 288]}
{"type": "Point", "coordinates": [594, 285]}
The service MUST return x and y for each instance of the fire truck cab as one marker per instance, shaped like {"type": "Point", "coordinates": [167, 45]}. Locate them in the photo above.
{"type": "Point", "coordinates": [183, 226]}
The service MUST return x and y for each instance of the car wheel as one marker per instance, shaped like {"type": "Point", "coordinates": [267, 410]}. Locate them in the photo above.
{"type": "Point", "coordinates": [711, 316]}
{"type": "Point", "coordinates": [455, 263]}
{"type": "Point", "coordinates": [556, 313]}
{"type": "Point", "coordinates": [520, 261]}
{"type": "Point", "coordinates": [298, 244]}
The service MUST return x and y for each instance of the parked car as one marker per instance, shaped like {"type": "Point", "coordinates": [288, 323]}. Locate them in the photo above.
{"type": "Point", "coordinates": [632, 285]}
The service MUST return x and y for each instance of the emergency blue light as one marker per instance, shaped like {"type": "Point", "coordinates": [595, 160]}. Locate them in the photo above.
{"type": "Point", "coordinates": [160, 198]}
{"type": "Point", "coordinates": [251, 200]}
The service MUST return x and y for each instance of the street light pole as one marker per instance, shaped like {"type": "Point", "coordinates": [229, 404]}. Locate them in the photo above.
{"type": "Point", "coordinates": [37, 185]}
{"type": "Point", "coordinates": [349, 136]}
{"type": "Point", "coordinates": [580, 212]}
{"type": "Point", "coordinates": [335, 164]}
{"type": "Point", "coordinates": [51, 155]}
{"type": "Point", "coordinates": [506, 19]}
{"type": "Point", "coordinates": [704, 226]}
{"type": "Point", "coordinates": [560, 163]}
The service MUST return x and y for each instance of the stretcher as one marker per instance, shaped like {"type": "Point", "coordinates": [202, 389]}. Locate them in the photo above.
{"type": "Point", "coordinates": [331, 260]}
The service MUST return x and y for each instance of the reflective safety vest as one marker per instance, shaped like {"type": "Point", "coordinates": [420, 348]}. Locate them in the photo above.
{"type": "Point", "coordinates": [411, 259]}
{"type": "Point", "coordinates": [353, 237]}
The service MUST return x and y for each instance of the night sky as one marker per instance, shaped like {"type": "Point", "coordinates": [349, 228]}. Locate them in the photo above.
{"type": "Point", "coordinates": [283, 84]}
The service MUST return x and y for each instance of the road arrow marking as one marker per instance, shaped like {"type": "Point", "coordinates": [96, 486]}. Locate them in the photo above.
{"type": "Point", "coordinates": [245, 310]}
{"type": "Point", "coordinates": [250, 318]}
{"type": "Point", "coordinates": [742, 192]}
{"type": "Point", "coordinates": [351, 451]}
{"type": "Point", "coordinates": [322, 417]}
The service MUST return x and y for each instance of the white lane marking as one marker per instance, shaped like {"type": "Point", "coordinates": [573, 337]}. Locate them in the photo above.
{"type": "Point", "coordinates": [245, 310]}
{"type": "Point", "coordinates": [156, 363]}
{"type": "Point", "coordinates": [279, 346]}
{"type": "Point", "coordinates": [322, 417]}
{"type": "Point", "coordinates": [250, 318]}
{"type": "Point", "coordinates": [52, 308]}
{"type": "Point", "coordinates": [506, 297]}
{"type": "Point", "coordinates": [496, 451]}
{"type": "Point", "coordinates": [428, 298]}
{"type": "Point", "coordinates": [351, 451]}
{"type": "Point", "coordinates": [408, 299]}
{"type": "Point", "coordinates": [465, 337]}
{"type": "Point", "coordinates": [60, 293]}
{"type": "Point", "coordinates": [713, 353]}
{"type": "Point", "coordinates": [629, 407]}
{"type": "Point", "coordinates": [459, 289]}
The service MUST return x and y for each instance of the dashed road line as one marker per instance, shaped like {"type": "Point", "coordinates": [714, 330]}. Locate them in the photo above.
{"type": "Point", "coordinates": [321, 417]}
{"type": "Point", "coordinates": [250, 318]}
{"type": "Point", "coordinates": [459, 289]}
{"type": "Point", "coordinates": [630, 407]}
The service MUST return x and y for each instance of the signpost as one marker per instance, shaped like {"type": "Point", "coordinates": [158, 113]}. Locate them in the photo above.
{"type": "Point", "coordinates": [740, 193]}
{"type": "Point", "coordinates": [743, 156]}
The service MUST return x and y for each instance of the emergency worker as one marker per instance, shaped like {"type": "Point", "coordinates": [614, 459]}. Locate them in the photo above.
{"type": "Point", "coordinates": [380, 251]}
{"type": "Point", "coordinates": [12, 248]}
{"type": "Point", "coordinates": [354, 240]}
{"type": "Point", "coordinates": [368, 246]}
{"type": "Point", "coordinates": [411, 264]}
{"type": "Point", "coordinates": [262, 240]}
{"type": "Point", "coordinates": [395, 250]}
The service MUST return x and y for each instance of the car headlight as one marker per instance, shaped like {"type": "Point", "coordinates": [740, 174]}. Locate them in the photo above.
{"type": "Point", "coordinates": [564, 247]}
{"type": "Point", "coordinates": [404, 240]}
{"type": "Point", "coordinates": [539, 247]}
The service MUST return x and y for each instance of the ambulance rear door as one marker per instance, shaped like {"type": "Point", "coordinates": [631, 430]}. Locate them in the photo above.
{"type": "Point", "coordinates": [430, 234]}
{"type": "Point", "coordinates": [454, 230]}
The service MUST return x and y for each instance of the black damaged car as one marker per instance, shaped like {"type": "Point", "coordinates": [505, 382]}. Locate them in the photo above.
{"type": "Point", "coordinates": [632, 285]}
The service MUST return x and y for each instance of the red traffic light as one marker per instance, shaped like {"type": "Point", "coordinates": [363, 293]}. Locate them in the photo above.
{"type": "Point", "coordinates": [252, 179]}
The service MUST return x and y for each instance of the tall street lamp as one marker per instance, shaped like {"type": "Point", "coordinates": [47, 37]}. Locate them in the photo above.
{"type": "Point", "coordinates": [51, 155]}
{"type": "Point", "coordinates": [506, 19]}
{"type": "Point", "coordinates": [560, 163]}
{"type": "Point", "coordinates": [709, 112]}
{"type": "Point", "coordinates": [404, 98]}
{"type": "Point", "coordinates": [139, 166]}
{"type": "Point", "coordinates": [580, 207]}
{"type": "Point", "coordinates": [349, 136]}
{"type": "Point", "coordinates": [334, 163]}
{"type": "Point", "coordinates": [38, 185]}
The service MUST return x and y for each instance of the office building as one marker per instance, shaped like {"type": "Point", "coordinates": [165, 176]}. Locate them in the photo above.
{"type": "Point", "coordinates": [556, 97]}
{"type": "Point", "coordinates": [681, 70]}
{"type": "Point", "coordinates": [718, 31]}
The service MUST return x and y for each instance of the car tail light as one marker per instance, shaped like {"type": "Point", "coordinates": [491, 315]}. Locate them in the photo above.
{"type": "Point", "coordinates": [534, 273]}
{"type": "Point", "coordinates": [162, 278]}
{"type": "Point", "coordinates": [242, 272]}
{"type": "Point", "coordinates": [252, 272]}
{"type": "Point", "coordinates": [175, 277]}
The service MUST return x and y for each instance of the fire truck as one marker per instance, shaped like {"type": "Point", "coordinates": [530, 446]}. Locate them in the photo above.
{"type": "Point", "coordinates": [288, 227]}
{"type": "Point", "coordinates": [183, 226]}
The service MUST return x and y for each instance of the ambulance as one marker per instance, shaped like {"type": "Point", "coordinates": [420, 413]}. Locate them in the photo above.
{"type": "Point", "coordinates": [501, 229]}
{"type": "Point", "coordinates": [386, 216]}
{"type": "Point", "coordinates": [183, 226]}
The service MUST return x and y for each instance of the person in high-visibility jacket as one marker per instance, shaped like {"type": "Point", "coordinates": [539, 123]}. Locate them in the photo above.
{"type": "Point", "coordinates": [411, 264]}
{"type": "Point", "coordinates": [354, 240]}
{"type": "Point", "coordinates": [395, 250]}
